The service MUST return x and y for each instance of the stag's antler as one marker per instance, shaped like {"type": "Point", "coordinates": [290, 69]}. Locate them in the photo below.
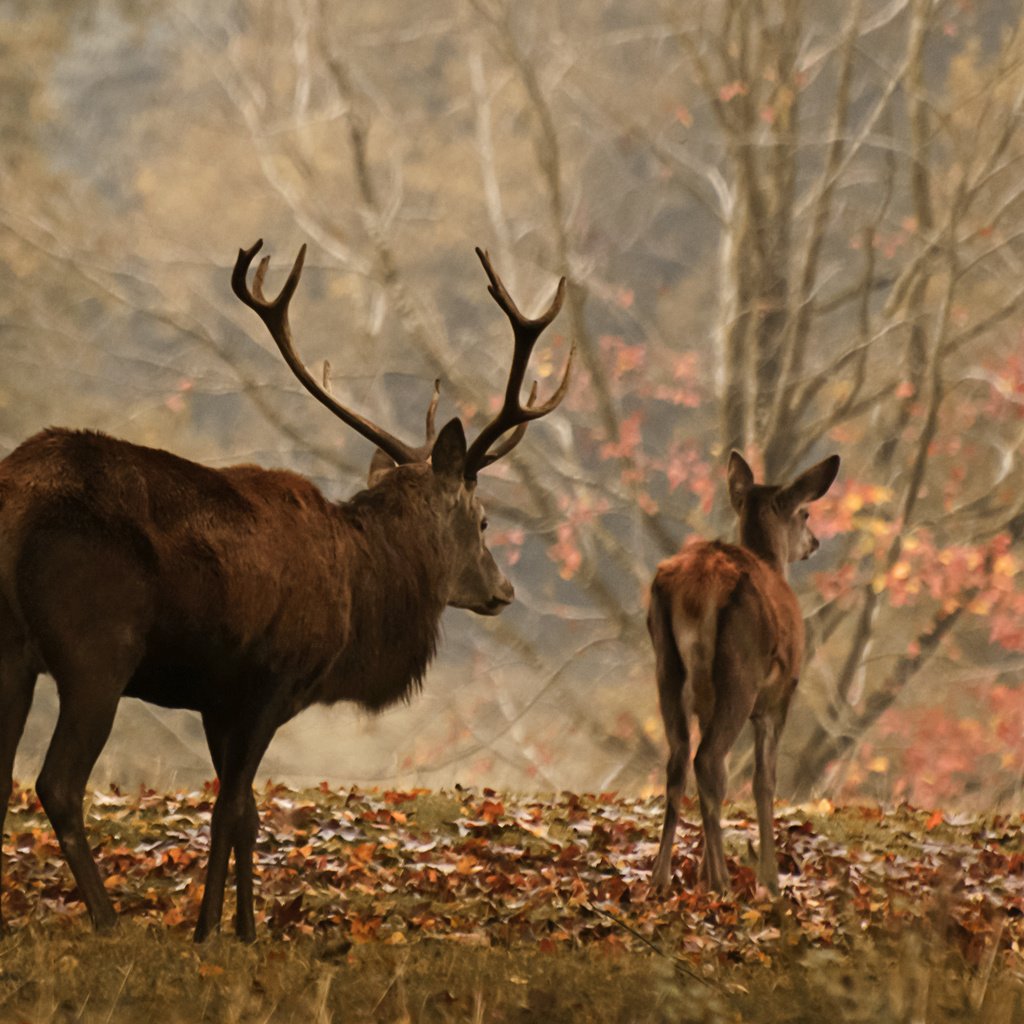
{"type": "Point", "coordinates": [513, 415]}
{"type": "Point", "coordinates": [274, 313]}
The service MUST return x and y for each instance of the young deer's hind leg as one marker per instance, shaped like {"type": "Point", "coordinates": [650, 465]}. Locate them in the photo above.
{"type": "Point", "coordinates": [671, 677]}
{"type": "Point", "coordinates": [733, 703]}
{"type": "Point", "coordinates": [671, 674]}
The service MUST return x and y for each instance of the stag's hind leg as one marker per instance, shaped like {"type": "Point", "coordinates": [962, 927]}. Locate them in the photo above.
{"type": "Point", "coordinates": [671, 681]}
{"type": "Point", "coordinates": [83, 726]}
{"type": "Point", "coordinates": [88, 603]}
{"type": "Point", "coordinates": [17, 684]}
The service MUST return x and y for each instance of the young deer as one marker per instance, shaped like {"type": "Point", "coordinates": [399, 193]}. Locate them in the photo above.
{"type": "Point", "coordinates": [728, 641]}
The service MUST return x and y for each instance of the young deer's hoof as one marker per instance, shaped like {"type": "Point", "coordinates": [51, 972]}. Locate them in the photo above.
{"type": "Point", "coordinates": [661, 878]}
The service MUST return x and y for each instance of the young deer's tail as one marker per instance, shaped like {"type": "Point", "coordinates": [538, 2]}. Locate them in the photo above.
{"type": "Point", "coordinates": [685, 615]}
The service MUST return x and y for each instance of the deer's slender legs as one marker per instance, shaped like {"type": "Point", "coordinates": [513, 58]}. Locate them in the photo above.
{"type": "Point", "coordinates": [675, 785]}
{"type": "Point", "coordinates": [17, 684]}
{"type": "Point", "coordinates": [83, 725]}
{"type": "Point", "coordinates": [88, 602]}
{"type": "Point", "coordinates": [235, 820]}
{"type": "Point", "coordinates": [243, 838]}
{"type": "Point", "coordinates": [671, 680]}
{"type": "Point", "coordinates": [767, 729]}
{"type": "Point", "coordinates": [733, 703]}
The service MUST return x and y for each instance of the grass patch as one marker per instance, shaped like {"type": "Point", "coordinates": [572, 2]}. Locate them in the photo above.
{"type": "Point", "coordinates": [64, 974]}
{"type": "Point", "coordinates": [478, 906]}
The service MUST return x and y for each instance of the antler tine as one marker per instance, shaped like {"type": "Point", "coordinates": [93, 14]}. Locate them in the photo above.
{"type": "Point", "coordinates": [513, 414]}
{"type": "Point", "coordinates": [431, 432]}
{"type": "Point", "coordinates": [274, 314]}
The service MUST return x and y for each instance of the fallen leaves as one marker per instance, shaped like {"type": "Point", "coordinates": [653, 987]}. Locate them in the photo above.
{"type": "Point", "coordinates": [564, 872]}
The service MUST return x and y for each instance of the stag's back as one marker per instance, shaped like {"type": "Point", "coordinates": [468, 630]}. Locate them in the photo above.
{"type": "Point", "coordinates": [228, 581]}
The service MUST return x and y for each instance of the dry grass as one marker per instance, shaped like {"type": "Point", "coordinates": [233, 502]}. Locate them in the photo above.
{"type": "Point", "coordinates": [64, 973]}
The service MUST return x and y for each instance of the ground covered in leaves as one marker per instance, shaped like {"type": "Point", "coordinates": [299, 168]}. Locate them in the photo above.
{"type": "Point", "coordinates": [474, 905]}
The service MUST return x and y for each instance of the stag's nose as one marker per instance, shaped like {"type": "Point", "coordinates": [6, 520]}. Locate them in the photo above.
{"type": "Point", "coordinates": [503, 597]}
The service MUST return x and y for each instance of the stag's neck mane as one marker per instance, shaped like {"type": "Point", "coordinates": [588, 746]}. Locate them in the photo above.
{"type": "Point", "coordinates": [392, 547]}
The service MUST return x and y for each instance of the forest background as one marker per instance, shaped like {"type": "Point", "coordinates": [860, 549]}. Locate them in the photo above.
{"type": "Point", "coordinates": [788, 228]}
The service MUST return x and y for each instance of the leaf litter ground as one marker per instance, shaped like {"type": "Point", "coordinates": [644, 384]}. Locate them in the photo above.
{"type": "Point", "coordinates": [360, 874]}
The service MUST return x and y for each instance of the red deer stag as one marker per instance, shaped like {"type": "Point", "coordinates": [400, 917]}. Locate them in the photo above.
{"type": "Point", "coordinates": [728, 642]}
{"type": "Point", "coordinates": [240, 593]}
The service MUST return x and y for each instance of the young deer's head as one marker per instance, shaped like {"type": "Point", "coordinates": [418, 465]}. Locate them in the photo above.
{"type": "Point", "coordinates": [774, 519]}
{"type": "Point", "coordinates": [474, 580]}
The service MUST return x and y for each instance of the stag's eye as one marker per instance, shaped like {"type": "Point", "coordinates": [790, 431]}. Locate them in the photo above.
{"type": "Point", "coordinates": [483, 525]}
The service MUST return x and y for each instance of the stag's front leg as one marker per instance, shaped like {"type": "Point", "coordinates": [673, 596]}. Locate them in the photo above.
{"type": "Point", "coordinates": [237, 755]}
{"type": "Point", "coordinates": [233, 827]}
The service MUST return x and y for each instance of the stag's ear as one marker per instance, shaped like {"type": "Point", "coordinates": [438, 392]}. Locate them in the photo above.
{"type": "Point", "coordinates": [741, 479]}
{"type": "Point", "coordinates": [380, 465]}
{"type": "Point", "coordinates": [449, 453]}
{"type": "Point", "coordinates": [811, 484]}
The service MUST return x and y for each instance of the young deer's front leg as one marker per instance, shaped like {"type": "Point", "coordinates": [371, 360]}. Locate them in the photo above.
{"type": "Point", "coordinates": [767, 730]}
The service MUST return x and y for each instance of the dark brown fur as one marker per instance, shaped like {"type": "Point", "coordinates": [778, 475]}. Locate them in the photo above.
{"type": "Point", "coordinates": [248, 573]}
{"type": "Point", "coordinates": [242, 593]}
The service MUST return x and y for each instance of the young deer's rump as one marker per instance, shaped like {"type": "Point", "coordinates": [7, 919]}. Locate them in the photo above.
{"type": "Point", "coordinates": [728, 641]}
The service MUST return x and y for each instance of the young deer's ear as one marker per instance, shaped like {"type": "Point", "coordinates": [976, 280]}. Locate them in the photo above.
{"type": "Point", "coordinates": [448, 456]}
{"type": "Point", "coordinates": [812, 483]}
{"type": "Point", "coordinates": [380, 465]}
{"type": "Point", "coordinates": [741, 479]}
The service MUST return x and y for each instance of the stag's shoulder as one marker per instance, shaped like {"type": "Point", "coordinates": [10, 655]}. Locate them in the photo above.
{"type": "Point", "coordinates": [277, 487]}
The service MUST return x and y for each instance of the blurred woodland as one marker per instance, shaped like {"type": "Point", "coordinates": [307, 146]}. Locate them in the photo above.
{"type": "Point", "coordinates": [789, 228]}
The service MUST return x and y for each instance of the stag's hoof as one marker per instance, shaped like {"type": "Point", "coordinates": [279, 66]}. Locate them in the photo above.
{"type": "Point", "coordinates": [105, 923]}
